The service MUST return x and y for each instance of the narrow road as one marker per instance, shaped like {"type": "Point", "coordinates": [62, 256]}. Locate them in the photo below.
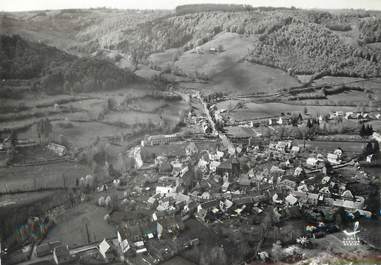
{"type": "Point", "coordinates": [225, 140]}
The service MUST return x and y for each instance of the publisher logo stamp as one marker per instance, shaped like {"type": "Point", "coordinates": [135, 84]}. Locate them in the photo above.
{"type": "Point", "coordinates": [351, 238]}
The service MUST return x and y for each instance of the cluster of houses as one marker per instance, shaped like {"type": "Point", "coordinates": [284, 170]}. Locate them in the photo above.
{"type": "Point", "coordinates": [334, 158]}
{"type": "Point", "coordinates": [355, 115]}
{"type": "Point", "coordinates": [160, 225]}
{"type": "Point", "coordinates": [215, 185]}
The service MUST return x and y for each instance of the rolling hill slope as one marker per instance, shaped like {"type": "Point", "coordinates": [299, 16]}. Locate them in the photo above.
{"type": "Point", "coordinates": [291, 39]}
{"type": "Point", "coordinates": [54, 71]}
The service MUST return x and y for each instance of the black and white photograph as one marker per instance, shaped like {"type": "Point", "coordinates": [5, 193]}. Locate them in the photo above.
{"type": "Point", "coordinates": [190, 132]}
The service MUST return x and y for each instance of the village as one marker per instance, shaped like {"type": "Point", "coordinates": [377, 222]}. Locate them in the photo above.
{"type": "Point", "coordinates": [283, 196]}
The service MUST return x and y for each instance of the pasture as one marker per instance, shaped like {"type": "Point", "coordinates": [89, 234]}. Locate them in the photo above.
{"type": "Point", "coordinates": [234, 48]}
{"type": "Point", "coordinates": [252, 111]}
{"type": "Point", "coordinates": [245, 78]}
{"type": "Point", "coordinates": [350, 148]}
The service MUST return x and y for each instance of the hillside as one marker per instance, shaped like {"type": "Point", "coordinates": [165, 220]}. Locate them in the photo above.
{"type": "Point", "coordinates": [300, 41]}
{"type": "Point", "coordinates": [306, 48]}
{"type": "Point", "coordinates": [54, 71]}
{"type": "Point", "coordinates": [293, 40]}
{"type": "Point", "coordinates": [20, 59]}
{"type": "Point", "coordinates": [75, 30]}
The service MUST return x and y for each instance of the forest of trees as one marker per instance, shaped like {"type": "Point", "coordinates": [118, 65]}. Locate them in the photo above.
{"type": "Point", "coordinates": [298, 41]}
{"type": "Point", "coordinates": [20, 59]}
{"type": "Point", "coordinates": [304, 48]}
{"type": "Point", "coordinates": [55, 71]}
{"type": "Point", "coordinates": [370, 30]}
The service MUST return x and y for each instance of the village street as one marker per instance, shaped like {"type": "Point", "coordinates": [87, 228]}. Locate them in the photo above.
{"type": "Point", "coordinates": [225, 140]}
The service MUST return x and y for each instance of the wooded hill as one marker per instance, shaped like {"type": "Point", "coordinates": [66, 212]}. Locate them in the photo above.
{"type": "Point", "coordinates": [55, 71]}
{"type": "Point", "coordinates": [341, 42]}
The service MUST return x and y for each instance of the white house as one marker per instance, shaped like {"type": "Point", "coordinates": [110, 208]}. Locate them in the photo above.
{"type": "Point", "coordinates": [370, 158]}
{"type": "Point", "coordinates": [290, 199]}
{"type": "Point", "coordinates": [333, 159]}
{"type": "Point", "coordinates": [348, 115]}
{"type": "Point", "coordinates": [295, 149]}
{"type": "Point", "coordinates": [298, 171]}
{"type": "Point", "coordinates": [280, 121]}
{"type": "Point", "coordinates": [376, 136]}
{"type": "Point", "coordinates": [338, 152]}
{"type": "Point", "coordinates": [164, 189]}
{"type": "Point", "coordinates": [312, 161]}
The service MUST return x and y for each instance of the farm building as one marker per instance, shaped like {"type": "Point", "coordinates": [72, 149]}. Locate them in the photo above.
{"type": "Point", "coordinates": [58, 149]}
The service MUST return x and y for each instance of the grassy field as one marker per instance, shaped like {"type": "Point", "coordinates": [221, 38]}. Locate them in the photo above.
{"type": "Point", "coordinates": [249, 78]}
{"type": "Point", "coordinates": [252, 110]}
{"type": "Point", "coordinates": [41, 176]}
{"type": "Point", "coordinates": [359, 91]}
{"type": "Point", "coordinates": [372, 83]}
{"type": "Point", "coordinates": [234, 48]}
{"type": "Point", "coordinates": [226, 70]}
{"type": "Point", "coordinates": [349, 148]}
{"type": "Point", "coordinates": [162, 59]}
{"type": "Point", "coordinates": [146, 72]}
